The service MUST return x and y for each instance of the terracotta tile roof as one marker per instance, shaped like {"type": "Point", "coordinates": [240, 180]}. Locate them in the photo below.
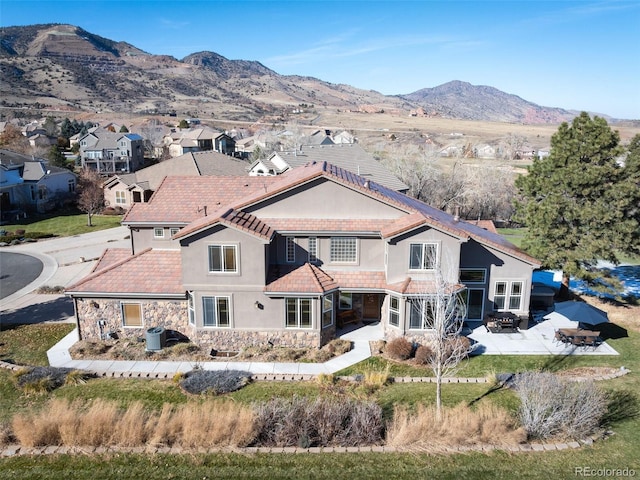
{"type": "Point", "coordinates": [182, 199]}
{"type": "Point", "coordinates": [417, 287]}
{"type": "Point", "coordinates": [150, 272]}
{"type": "Point", "coordinates": [306, 278]}
{"type": "Point", "coordinates": [359, 280]}
{"type": "Point", "coordinates": [111, 256]}
{"type": "Point", "coordinates": [247, 223]}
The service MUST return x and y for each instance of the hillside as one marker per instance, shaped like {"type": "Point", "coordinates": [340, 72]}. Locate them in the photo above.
{"type": "Point", "coordinates": [67, 68]}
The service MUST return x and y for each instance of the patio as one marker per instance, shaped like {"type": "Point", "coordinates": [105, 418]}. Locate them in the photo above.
{"type": "Point", "coordinates": [538, 339]}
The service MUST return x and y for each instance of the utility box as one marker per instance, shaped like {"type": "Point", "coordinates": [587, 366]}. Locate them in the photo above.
{"type": "Point", "coordinates": [156, 338]}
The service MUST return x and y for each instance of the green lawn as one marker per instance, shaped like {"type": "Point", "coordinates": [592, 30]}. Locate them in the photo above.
{"type": "Point", "coordinates": [619, 451]}
{"type": "Point", "coordinates": [64, 223]}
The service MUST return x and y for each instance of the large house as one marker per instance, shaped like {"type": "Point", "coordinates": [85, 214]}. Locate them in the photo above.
{"type": "Point", "coordinates": [31, 185]}
{"type": "Point", "coordinates": [108, 152]}
{"type": "Point", "coordinates": [238, 261]}
{"type": "Point", "coordinates": [123, 190]}
{"type": "Point", "coordinates": [199, 139]}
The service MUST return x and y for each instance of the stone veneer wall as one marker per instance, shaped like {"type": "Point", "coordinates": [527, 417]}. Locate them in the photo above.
{"type": "Point", "coordinates": [170, 314]}
{"type": "Point", "coordinates": [235, 340]}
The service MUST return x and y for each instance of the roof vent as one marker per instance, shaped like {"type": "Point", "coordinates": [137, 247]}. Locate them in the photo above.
{"type": "Point", "coordinates": [456, 217]}
{"type": "Point", "coordinates": [366, 184]}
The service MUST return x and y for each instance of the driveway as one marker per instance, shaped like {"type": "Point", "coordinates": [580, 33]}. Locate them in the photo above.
{"type": "Point", "coordinates": [62, 262]}
{"type": "Point", "coordinates": [17, 270]}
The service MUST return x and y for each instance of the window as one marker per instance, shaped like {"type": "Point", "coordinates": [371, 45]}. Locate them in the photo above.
{"type": "Point", "coordinates": [423, 256]}
{"type": "Point", "coordinates": [313, 249]}
{"type": "Point", "coordinates": [475, 303]}
{"type": "Point", "coordinates": [291, 249]}
{"type": "Point", "coordinates": [344, 249]}
{"type": "Point", "coordinates": [298, 311]}
{"type": "Point", "coordinates": [421, 315]}
{"type": "Point", "coordinates": [223, 258]}
{"type": "Point", "coordinates": [158, 232]}
{"type": "Point", "coordinates": [471, 275]}
{"type": "Point", "coordinates": [327, 311]}
{"type": "Point", "coordinates": [72, 185]}
{"type": "Point", "coordinates": [394, 311]}
{"type": "Point", "coordinates": [515, 296]}
{"type": "Point", "coordinates": [131, 314]}
{"type": "Point", "coordinates": [173, 231]}
{"type": "Point", "coordinates": [508, 295]}
{"type": "Point", "coordinates": [215, 311]}
{"type": "Point", "coordinates": [346, 301]}
{"type": "Point", "coordinates": [191, 302]}
{"type": "Point", "coordinates": [120, 197]}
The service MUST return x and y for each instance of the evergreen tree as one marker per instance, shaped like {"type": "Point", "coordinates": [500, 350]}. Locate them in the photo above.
{"type": "Point", "coordinates": [56, 158]}
{"type": "Point", "coordinates": [578, 203]}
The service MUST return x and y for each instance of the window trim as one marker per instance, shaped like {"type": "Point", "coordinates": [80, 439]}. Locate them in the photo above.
{"type": "Point", "coordinates": [121, 198]}
{"type": "Point", "coordinates": [333, 248]}
{"type": "Point", "coordinates": [472, 282]}
{"type": "Point", "coordinates": [424, 245]}
{"type": "Point", "coordinates": [312, 251]}
{"type": "Point", "coordinates": [216, 316]}
{"type": "Point", "coordinates": [156, 230]}
{"type": "Point", "coordinates": [349, 304]}
{"type": "Point", "coordinates": [191, 307]}
{"type": "Point", "coordinates": [124, 316]}
{"type": "Point", "coordinates": [299, 301]}
{"type": "Point", "coordinates": [509, 284]}
{"type": "Point", "coordinates": [468, 298]}
{"type": "Point", "coordinates": [325, 310]}
{"type": "Point", "coordinates": [222, 247]}
{"type": "Point", "coordinates": [394, 311]}
{"type": "Point", "coordinates": [423, 304]}
{"type": "Point", "coordinates": [290, 249]}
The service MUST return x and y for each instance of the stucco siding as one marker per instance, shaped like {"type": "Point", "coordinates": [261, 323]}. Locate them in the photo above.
{"type": "Point", "coordinates": [399, 249]}
{"type": "Point", "coordinates": [324, 199]}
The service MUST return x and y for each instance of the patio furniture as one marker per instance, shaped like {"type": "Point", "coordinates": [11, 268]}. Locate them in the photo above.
{"type": "Point", "coordinates": [578, 337]}
{"type": "Point", "coordinates": [347, 316]}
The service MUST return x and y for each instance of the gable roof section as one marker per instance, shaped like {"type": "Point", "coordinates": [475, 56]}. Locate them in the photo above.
{"type": "Point", "coordinates": [182, 200]}
{"type": "Point", "coordinates": [306, 278]}
{"type": "Point", "coordinates": [148, 273]}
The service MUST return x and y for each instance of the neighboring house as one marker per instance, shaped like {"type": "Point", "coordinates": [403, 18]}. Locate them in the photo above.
{"type": "Point", "coordinates": [30, 185]}
{"type": "Point", "coordinates": [126, 189]}
{"type": "Point", "coordinates": [351, 157]}
{"type": "Point", "coordinates": [319, 137]}
{"type": "Point", "coordinates": [188, 140]}
{"type": "Point", "coordinates": [344, 137]}
{"type": "Point", "coordinates": [109, 153]}
{"type": "Point", "coordinates": [41, 140]}
{"type": "Point", "coordinates": [238, 261]}
{"type": "Point", "coordinates": [223, 143]}
{"type": "Point", "coordinates": [483, 150]}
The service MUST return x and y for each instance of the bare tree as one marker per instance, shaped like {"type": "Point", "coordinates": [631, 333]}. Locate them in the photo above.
{"type": "Point", "coordinates": [91, 197]}
{"type": "Point", "coordinates": [442, 309]}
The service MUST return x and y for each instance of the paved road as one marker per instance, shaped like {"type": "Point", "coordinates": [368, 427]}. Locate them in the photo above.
{"type": "Point", "coordinates": [17, 270]}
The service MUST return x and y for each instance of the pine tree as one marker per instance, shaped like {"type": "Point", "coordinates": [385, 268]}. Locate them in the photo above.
{"type": "Point", "coordinates": [578, 203]}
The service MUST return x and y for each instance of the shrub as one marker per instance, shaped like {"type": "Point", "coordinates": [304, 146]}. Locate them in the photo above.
{"type": "Point", "coordinates": [399, 348]}
{"type": "Point", "coordinates": [375, 379]}
{"type": "Point", "coordinates": [423, 354]}
{"type": "Point", "coordinates": [460, 425]}
{"type": "Point", "coordinates": [554, 407]}
{"type": "Point", "coordinates": [20, 232]}
{"type": "Point", "coordinates": [41, 379]}
{"type": "Point", "coordinates": [306, 422]}
{"type": "Point", "coordinates": [47, 290]}
{"type": "Point", "coordinates": [215, 382]}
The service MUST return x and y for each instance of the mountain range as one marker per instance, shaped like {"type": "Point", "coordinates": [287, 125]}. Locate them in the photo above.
{"type": "Point", "coordinates": [67, 68]}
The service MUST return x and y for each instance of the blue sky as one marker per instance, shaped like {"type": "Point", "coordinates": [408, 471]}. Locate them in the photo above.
{"type": "Point", "coordinates": [582, 55]}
